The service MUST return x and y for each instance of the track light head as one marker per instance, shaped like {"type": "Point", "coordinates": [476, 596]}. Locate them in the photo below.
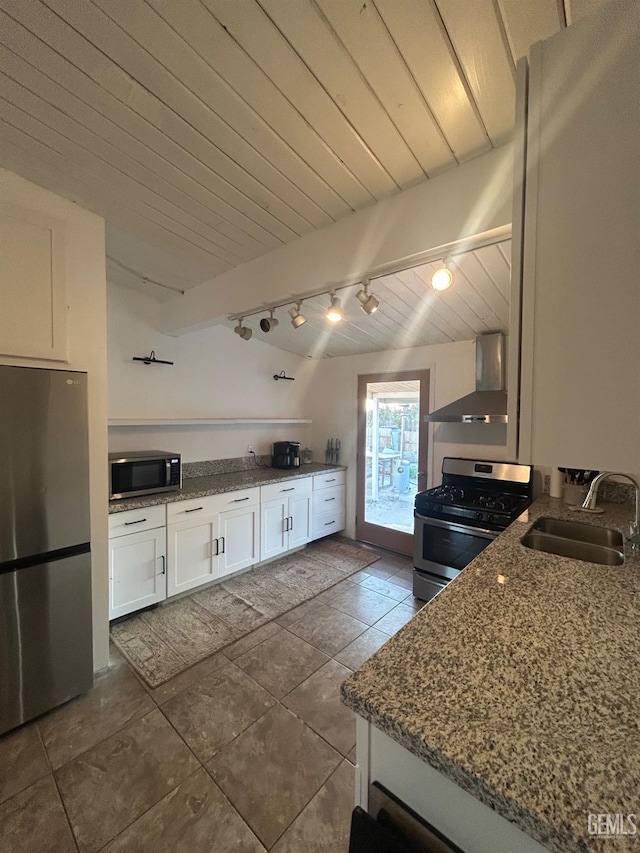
{"type": "Point", "coordinates": [334, 311]}
{"type": "Point", "coordinates": [268, 323]}
{"type": "Point", "coordinates": [243, 331]}
{"type": "Point", "coordinates": [297, 319]}
{"type": "Point", "coordinates": [368, 301]}
{"type": "Point", "coordinates": [443, 277]}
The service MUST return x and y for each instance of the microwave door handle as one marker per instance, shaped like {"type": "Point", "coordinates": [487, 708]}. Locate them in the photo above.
{"type": "Point", "coordinates": [167, 464]}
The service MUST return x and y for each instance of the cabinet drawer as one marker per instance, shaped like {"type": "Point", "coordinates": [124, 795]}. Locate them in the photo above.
{"type": "Point", "coordinates": [211, 504]}
{"type": "Point", "coordinates": [136, 520]}
{"type": "Point", "coordinates": [329, 480]}
{"type": "Point", "coordinates": [328, 522]}
{"type": "Point", "coordinates": [328, 500]}
{"type": "Point", "coordinates": [301, 486]}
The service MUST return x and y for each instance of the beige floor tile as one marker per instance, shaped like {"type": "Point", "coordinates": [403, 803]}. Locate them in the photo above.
{"type": "Point", "coordinates": [116, 699]}
{"type": "Point", "coordinates": [397, 618]}
{"type": "Point", "coordinates": [272, 770]}
{"type": "Point", "coordinates": [298, 612]}
{"type": "Point", "coordinates": [324, 825]}
{"type": "Point", "coordinates": [34, 821]}
{"type": "Point", "coordinates": [386, 587]}
{"type": "Point", "coordinates": [23, 760]}
{"type": "Point", "coordinates": [195, 816]}
{"type": "Point", "coordinates": [250, 640]}
{"type": "Point", "coordinates": [361, 649]}
{"type": "Point", "coordinates": [317, 702]}
{"type": "Point", "coordinates": [280, 663]}
{"type": "Point", "coordinates": [363, 604]}
{"type": "Point", "coordinates": [330, 593]}
{"type": "Point", "coordinates": [328, 629]}
{"type": "Point", "coordinates": [112, 784]}
{"type": "Point", "coordinates": [187, 678]}
{"type": "Point", "coordinates": [382, 570]}
{"type": "Point", "coordinates": [217, 709]}
{"type": "Point", "coordinates": [404, 579]}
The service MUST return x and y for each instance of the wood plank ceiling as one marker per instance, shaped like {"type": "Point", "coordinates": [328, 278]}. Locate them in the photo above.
{"type": "Point", "coordinates": [209, 132]}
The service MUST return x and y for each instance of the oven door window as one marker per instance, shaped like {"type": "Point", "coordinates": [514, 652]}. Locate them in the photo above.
{"type": "Point", "coordinates": [133, 476]}
{"type": "Point", "coordinates": [451, 547]}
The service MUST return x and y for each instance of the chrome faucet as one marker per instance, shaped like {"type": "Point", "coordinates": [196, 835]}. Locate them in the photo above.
{"type": "Point", "coordinates": [592, 494]}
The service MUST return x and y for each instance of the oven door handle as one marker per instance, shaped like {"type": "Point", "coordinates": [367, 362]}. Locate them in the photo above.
{"type": "Point", "coordinates": [459, 528]}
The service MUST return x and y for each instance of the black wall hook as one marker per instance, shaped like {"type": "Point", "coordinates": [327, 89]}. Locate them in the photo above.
{"type": "Point", "coordinates": [282, 375]}
{"type": "Point", "coordinates": [151, 359]}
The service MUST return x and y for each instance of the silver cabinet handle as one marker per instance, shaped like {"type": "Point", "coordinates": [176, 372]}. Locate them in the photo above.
{"type": "Point", "coordinates": [217, 551]}
{"type": "Point", "coordinates": [139, 521]}
{"type": "Point", "coordinates": [164, 564]}
{"type": "Point", "coordinates": [195, 509]}
{"type": "Point", "coordinates": [223, 545]}
{"type": "Point", "coordinates": [291, 526]}
{"type": "Point", "coordinates": [239, 500]}
{"type": "Point", "coordinates": [288, 490]}
{"type": "Point", "coordinates": [286, 521]}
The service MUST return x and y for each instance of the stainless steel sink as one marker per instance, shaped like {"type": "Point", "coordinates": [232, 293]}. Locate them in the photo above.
{"type": "Point", "coordinates": [576, 540]}
{"type": "Point", "coordinates": [580, 531]}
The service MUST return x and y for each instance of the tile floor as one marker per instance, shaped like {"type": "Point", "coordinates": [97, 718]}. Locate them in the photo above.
{"type": "Point", "coordinates": [250, 750]}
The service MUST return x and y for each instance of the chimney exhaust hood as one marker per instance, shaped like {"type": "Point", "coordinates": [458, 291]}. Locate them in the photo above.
{"type": "Point", "coordinates": [488, 403]}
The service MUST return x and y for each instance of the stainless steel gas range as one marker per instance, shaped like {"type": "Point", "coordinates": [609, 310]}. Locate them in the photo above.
{"type": "Point", "coordinates": [454, 522]}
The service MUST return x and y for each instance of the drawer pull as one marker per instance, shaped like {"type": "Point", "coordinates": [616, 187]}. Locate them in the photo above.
{"type": "Point", "coordinates": [139, 521]}
{"type": "Point", "coordinates": [328, 523]}
{"type": "Point", "coordinates": [332, 480]}
{"type": "Point", "coordinates": [326, 500]}
{"type": "Point", "coordinates": [288, 490]}
{"type": "Point", "coordinates": [195, 509]}
{"type": "Point", "coordinates": [239, 500]}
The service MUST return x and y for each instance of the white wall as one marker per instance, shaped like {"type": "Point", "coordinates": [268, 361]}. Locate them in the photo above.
{"type": "Point", "coordinates": [331, 402]}
{"type": "Point", "coordinates": [215, 375]}
{"type": "Point", "coordinates": [86, 337]}
{"type": "Point", "coordinates": [472, 199]}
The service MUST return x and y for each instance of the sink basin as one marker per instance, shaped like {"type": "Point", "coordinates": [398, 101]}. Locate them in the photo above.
{"type": "Point", "coordinates": [580, 531]}
{"type": "Point", "coordinates": [576, 540]}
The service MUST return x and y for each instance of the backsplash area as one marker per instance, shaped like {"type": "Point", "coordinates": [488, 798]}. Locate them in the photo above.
{"type": "Point", "coordinates": [224, 466]}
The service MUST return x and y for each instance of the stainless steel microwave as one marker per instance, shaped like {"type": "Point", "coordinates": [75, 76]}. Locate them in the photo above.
{"type": "Point", "coordinates": [143, 472]}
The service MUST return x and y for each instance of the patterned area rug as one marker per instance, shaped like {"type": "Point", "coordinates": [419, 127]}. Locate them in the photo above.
{"type": "Point", "coordinates": [166, 640]}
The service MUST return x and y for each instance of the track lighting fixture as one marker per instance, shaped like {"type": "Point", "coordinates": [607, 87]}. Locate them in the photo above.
{"type": "Point", "coordinates": [268, 323]}
{"type": "Point", "coordinates": [244, 332]}
{"type": "Point", "coordinates": [443, 277]}
{"type": "Point", "coordinates": [297, 319]}
{"type": "Point", "coordinates": [368, 301]}
{"type": "Point", "coordinates": [334, 311]}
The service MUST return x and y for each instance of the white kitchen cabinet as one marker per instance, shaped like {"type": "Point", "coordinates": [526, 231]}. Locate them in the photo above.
{"type": "Point", "coordinates": [285, 516]}
{"type": "Point", "coordinates": [328, 506]}
{"type": "Point", "coordinates": [210, 537]}
{"type": "Point", "coordinates": [580, 299]}
{"type": "Point", "coordinates": [137, 561]}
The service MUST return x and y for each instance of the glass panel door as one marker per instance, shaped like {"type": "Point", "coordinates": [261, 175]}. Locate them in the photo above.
{"type": "Point", "coordinates": [392, 456]}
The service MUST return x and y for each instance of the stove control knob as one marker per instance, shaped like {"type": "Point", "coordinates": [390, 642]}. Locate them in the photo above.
{"type": "Point", "coordinates": [490, 517]}
{"type": "Point", "coordinates": [479, 516]}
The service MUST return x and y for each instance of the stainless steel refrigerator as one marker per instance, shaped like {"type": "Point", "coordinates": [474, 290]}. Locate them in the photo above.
{"type": "Point", "coordinates": [45, 554]}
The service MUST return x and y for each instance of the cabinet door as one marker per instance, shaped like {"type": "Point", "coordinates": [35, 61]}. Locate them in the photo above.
{"type": "Point", "coordinates": [299, 520]}
{"type": "Point", "coordinates": [137, 571]}
{"type": "Point", "coordinates": [580, 406]}
{"type": "Point", "coordinates": [273, 528]}
{"type": "Point", "coordinates": [238, 539]}
{"type": "Point", "coordinates": [191, 552]}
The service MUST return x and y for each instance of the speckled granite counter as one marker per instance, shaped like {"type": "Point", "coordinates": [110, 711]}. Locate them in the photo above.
{"type": "Point", "coordinates": [216, 484]}
{"type": "Point", "coordinates": [520, 682]}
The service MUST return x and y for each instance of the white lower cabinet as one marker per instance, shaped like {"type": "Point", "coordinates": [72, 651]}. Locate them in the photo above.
{"type": "Point", "coordinates": [285, 516]}
{"type": "Point", "coordinates": [328, 507]}
{"type": "Point", "coordinates": [210, 537]}
{"type": "Point", "coordinates": [137, 561]}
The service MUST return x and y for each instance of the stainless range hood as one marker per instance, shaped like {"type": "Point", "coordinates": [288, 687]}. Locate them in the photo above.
{"type": "Point", "coordinates": [488, 403]}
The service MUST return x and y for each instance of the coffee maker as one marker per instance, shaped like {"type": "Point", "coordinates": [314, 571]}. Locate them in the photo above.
{"type": "Point", "coordinates": [286, 454]}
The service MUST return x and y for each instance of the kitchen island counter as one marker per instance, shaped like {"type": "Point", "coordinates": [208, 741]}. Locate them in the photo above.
{"type": "Point", "coordinates": [216, 484]}
{"type": "Point", "coordinates": [519, 682]}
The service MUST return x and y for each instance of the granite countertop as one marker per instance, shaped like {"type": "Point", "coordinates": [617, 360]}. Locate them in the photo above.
{"type": "Point", "coordinates": [520, 682]}
{"type": "Point", "coordinates": [216, 484]}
